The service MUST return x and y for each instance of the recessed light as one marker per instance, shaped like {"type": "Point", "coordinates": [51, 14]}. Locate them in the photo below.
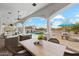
{"type": "Point", "coordinates": [34, 4]}
{"type": "Point", "coordinates": [9, 13]}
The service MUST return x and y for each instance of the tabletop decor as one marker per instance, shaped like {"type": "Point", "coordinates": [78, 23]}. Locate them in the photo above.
{"type": "Point", "coordinates": [40, 40]}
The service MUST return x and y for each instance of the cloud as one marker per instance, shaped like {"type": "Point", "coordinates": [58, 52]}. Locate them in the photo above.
{"type": "Point", "coordinates": [73, 21]}
{"type": "Point", "coordinates": [57, 23]}
{"type": "Point", "coordinates": [76, 20]}
{"type": "Point", "coordinates": [58, 16]}
{"type": "Point", "coordinates": [56, 27]}
{"type": "Point", "coordinates": [77, 15]}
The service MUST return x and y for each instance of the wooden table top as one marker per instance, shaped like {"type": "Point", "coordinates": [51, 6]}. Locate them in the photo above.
{"type": "Point", "coordinates": [75, 37]}
{"type": "Point", "coordinates": [47, 49]}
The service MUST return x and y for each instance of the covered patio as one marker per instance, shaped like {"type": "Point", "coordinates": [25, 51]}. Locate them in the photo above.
{"type": "Point", "coordinates": [20, 37]}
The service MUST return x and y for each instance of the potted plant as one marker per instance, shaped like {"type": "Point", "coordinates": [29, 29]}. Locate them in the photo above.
{"type": "Point", "coordinates": [41, 38]}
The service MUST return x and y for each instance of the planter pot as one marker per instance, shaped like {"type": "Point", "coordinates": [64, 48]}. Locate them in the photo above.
{"type": "Point", "coordinates": [41, 42]}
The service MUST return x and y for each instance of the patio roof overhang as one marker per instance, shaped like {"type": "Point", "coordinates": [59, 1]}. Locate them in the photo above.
{"type": "Point", "coordinates": [46, 12]}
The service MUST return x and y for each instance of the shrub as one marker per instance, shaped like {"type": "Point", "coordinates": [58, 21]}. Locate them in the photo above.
{"type": "Point", "coordinates": [40, 37]}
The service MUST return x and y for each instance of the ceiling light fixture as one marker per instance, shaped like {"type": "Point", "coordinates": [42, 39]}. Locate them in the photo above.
{"type": "Point", "coordinates": [9, 13]}
{"type": "Point", "coordinates": [18, 15]}
{"type": "Point", "coordinates": [34, 4]}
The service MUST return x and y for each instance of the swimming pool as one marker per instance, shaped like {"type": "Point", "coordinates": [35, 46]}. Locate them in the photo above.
{"type": "Point", "coordinates": [35, 34]}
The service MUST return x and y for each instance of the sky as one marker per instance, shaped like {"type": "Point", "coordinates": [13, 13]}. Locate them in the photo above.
{"type": "Point", "coordinates": [68, 16]}
{"type": "Point", "coordinates": [36, 21]}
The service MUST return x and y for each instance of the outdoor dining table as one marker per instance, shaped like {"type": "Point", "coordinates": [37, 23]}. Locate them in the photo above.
{"type": "Point", "coordinates": [46, 49]}
{"type": "Point", "coordinates": [75, 38]}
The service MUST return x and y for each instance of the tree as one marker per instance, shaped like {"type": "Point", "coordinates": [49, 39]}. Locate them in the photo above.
{"type": "Point", "coordinates": [75, 28]}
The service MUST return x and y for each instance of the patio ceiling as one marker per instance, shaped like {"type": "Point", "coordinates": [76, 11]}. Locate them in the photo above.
{"type": "Point", "coordinates": [46, 11]}
{"type": "Point", "coordinates": [24, 8]}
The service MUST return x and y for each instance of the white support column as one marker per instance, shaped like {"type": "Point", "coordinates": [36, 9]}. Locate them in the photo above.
{"type": "Point", "coordinates": [23, 29]}
{"type": "Point", "coordinates": [49, 32]}
{"type": "Point", "coordinates": [1, 27]}
{"type": "Point", "coordinates": [50, 29]}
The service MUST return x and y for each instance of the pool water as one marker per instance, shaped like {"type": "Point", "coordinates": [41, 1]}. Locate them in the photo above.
{"type": "Point", "coordinates": [35, 35]}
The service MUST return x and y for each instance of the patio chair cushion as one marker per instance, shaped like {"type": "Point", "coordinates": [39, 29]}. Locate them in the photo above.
{"type": "Point", "coordinates": [25, 37]}
{"type": "Point", "coordinates": [54, 40]}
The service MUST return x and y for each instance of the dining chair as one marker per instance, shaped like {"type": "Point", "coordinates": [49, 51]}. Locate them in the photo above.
{"type": "Point", "coordinates": [25, 37]}
{"type": "Point", "coordinates": [54, 40]}
{"type": "Point", "coordinates": [18, 51]}
{"type": "Point", "coordinates": [11, 44]}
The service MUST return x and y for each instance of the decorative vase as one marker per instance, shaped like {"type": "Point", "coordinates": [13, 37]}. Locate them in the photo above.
{"type": "Point", "coordinates": [41, 42]}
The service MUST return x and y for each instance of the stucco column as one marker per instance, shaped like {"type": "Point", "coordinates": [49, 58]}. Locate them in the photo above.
{"type": "Point", "coordinates": [1, 27]}
{"type": "Point", "coordinates": [23, 29]}
{"type": "Point", "coordinates": [49, 32]}
{"type": "Point", "coordinates": [24, 32]}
